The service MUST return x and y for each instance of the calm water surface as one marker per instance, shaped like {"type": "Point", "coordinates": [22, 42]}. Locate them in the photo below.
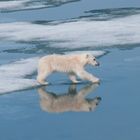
{"type": "Point", "coordinates": [33, 28]}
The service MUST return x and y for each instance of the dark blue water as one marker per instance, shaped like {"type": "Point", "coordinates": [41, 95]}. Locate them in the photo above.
{"type": "Point", "coordinates": [30, 29]}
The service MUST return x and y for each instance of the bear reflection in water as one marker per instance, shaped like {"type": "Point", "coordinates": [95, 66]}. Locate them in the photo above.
{"type": "Point", "coordinates": [71, 101]}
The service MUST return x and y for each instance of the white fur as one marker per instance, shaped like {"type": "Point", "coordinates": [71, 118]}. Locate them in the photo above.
{"type": "Point", "coordinates": [71, 64]}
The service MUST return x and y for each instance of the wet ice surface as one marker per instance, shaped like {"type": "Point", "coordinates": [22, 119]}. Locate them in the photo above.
{"type": "Point", "coordinates": [61, 110]}
{"type": "Point", "coordinates": [13, 75]}
{"type": "Point", "coordinates": [17, 5]}
{"type": "Point", "coordinates": [76, 34]}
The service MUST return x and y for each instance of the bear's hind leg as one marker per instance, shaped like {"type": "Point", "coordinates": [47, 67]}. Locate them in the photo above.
{"type": "Point", "coordinates": [41, 79]}
{"type": "Point", "coordinates": [72, 77]}
{"type": "Point", "coordinates": [42, 74]}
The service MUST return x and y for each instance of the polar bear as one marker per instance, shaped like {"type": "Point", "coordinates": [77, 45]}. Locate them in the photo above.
{"type": "Point", "coordinates": [73, 100]}
{"type": "Point", "coordinates": [73, 64]}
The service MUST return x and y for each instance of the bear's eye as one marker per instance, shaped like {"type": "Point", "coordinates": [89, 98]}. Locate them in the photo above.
{"type": "Point", "coordinates": [94, 59]}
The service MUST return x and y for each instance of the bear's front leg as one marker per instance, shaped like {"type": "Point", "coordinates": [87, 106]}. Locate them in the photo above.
{"type": "Point", "coordinates": [87, 76]}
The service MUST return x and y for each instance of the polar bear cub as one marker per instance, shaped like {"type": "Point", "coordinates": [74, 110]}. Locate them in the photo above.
{"type": "Point", "coordinates": [73, 64]}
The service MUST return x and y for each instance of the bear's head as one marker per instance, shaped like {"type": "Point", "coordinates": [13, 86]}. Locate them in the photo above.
{"type": "Point", "coordinates": [91, 60]}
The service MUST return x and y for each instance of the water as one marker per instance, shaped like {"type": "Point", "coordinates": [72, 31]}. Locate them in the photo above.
{"type": "Point", "coordinates": [32, 28]}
